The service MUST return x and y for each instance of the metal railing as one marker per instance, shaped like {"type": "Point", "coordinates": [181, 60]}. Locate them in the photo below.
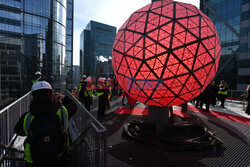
{"type": "Point", "coordinates": [90, 137]}
{"type": "Point", "coordinates": [8, 118]}
{"type": "Point", "coordinates": [11, 156]}
{"type": "Point", "coordinates": [87, 134]}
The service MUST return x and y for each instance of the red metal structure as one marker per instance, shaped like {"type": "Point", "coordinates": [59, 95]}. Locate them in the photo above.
{"type": "Point", "coordinates": [166, 53]}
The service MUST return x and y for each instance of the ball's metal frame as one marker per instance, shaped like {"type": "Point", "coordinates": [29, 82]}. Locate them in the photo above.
{"type": "Point", "coordinates": [131, 50]}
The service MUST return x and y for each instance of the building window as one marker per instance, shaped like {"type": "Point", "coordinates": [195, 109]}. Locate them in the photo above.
{"type": "Point", "coordinates": [244, 31]}
{"type": "Point", "coordinates": [245, 15]}
{"type": "Point", "coordinates": [243, 47]}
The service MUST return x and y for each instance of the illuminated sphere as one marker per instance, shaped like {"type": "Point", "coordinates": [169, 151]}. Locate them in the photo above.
{"type": "Point", "coordinates": [166, 53]}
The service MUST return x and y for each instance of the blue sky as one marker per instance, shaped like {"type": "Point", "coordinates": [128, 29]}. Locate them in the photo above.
{"type": "Point", "coordinates": [111, 12]}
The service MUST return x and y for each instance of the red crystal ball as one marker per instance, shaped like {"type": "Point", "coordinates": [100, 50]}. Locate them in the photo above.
{"type": "Point", "coordinates": [166, 53]}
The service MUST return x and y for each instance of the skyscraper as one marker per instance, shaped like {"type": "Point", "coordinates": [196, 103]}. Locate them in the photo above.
{"type": "Point", "coordinates": [244, 55]}
{"type": "Point", "coordinates": [32, 37]}
{"type": "Point", "coordinates": [69, 42]}
{"type": "Point", "coordinates": [96, 42]}
{"type": "Point", "coordinates": [231, 18]}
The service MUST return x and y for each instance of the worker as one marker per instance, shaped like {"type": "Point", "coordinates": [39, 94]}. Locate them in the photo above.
{"type": "Point", "coordinates": [100, 91]}
{"type": "Point", "coordinates": [82, 84]}
{"type": "Point", "coordinates": [88, 94]}
{"type": "Point", "coordinates": [109, 91]}
{"type": "Point", "coordinates": [75, 92]}
{"type": "Point", "coordinates": [38, 76]}
{"type": "Point", "coordinates": [46, 127]}
{"type": "Point", "coordinates": [124, 95]}
{"type": "Point", "coordinates": [222, 93]}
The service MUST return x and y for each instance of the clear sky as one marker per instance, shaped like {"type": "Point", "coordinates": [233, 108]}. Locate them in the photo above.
{"type": "Point", "coordinates": [111, 12]}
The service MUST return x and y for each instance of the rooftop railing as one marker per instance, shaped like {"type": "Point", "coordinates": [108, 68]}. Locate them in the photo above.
{"type": "Point", "coordinates": [88, 136]}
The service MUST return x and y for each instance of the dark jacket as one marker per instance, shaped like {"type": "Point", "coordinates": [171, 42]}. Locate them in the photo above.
{"type": "Point", "coordinates": [206, 96]}
{"type": "Point", "coordinates": [39, 108]}
{"type": "Point", "coordinates": [81, 88]}
{"type": "Point", "coordinates": [214, 90]}
{"type": "Point", "coordinates": [248, 96]}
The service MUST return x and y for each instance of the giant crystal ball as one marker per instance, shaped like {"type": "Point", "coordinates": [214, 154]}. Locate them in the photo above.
{"type": "Point", "coordinates": [166, 53]}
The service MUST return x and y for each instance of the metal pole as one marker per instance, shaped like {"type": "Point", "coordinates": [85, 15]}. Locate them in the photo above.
{"type": "Point", "coordinates": [8, 125]}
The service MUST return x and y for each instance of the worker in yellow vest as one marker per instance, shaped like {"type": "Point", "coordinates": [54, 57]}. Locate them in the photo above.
{"type": "Point", "coordinates": [222, 93]}
{"type": "Point", "coordinates": [100, 91]}
{"type": "Point", "coordinates": [75, 92]}
{"type": "Point", "coordinates": [88, 93]}
{"type": "Point", "coordinates": [38, 76]}
{"type": "Point", "coordinates": [81, 84]}
{"type": "Point", "coordinates": [46, 126]}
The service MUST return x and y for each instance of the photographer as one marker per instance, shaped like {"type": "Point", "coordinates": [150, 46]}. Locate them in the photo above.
{"type": "Point", "coordinates": [46, 127]}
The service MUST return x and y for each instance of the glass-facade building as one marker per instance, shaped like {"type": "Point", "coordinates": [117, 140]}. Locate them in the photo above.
{"type": "Point", "coordinates": [33, 37]}
{"type": "Point", "coordinates": [95, 40]}
{"type": "Point", "coordinates": [69, 43]}
{"type": "Point", "coordinates": [229, 16]}
{"type": "Point", "coordinates": [244, 55]}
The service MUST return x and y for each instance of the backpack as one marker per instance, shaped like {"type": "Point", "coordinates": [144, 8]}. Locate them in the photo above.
{"type": "Point", "coordinates": [47, 138]}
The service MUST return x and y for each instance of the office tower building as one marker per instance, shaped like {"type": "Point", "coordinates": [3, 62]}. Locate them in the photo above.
{"type": "Point", "coordinates": [69, 43]}
{"type": "Point", "coordinates": [96, 42]}
{"type": "Point", "coordinates": [32, 38]}
{"type": "Point", "coordinates": [231, 18]}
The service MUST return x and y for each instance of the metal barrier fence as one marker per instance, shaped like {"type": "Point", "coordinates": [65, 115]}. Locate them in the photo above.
{"type": "Point", "coordinates": [8, 118]}
{"type": "Point", "coordinates": [90, 137]}
{"type": "Point", "coordinates": [11, 157]}
{"type": "Point", "coordinates": [87, 134]}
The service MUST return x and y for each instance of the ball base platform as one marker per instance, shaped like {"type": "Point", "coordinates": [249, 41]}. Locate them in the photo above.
{"type": "Point", "coordinates": [179, 134]}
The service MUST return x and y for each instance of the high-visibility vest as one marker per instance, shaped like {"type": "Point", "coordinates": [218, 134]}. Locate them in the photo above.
{"type": "Point", "coordinates": [26, 126]}
{"type": "Point", "coordinates": [223, 92]}
{"type": "Point", "coordinates": [89, 92]}
{"type": "Point", "coordinates": [80, 86]}
{"type": "Point", "coordinates": [99, 93]}
{"type": "Point", "coordinates": [35, 80]}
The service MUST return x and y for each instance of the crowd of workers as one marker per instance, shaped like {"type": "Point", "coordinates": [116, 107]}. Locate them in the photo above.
{"type": "Point", "coordinates": [211, 93]}
{"type": "Point", "coordinates": [103, 89]}
{"type": "Point", "coordinates": [89, 87]}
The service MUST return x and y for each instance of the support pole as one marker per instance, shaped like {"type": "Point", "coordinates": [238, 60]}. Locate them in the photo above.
{"type": "Point", "coordinates": [158, 115]}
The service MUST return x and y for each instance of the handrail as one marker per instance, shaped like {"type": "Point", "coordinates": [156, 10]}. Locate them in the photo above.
{"type": "Point", "coordinates": [15, 102]}
{"type": "Point", "coordinates": [89, 133]}
{"type": "Point", "coordinates": [9, 116]}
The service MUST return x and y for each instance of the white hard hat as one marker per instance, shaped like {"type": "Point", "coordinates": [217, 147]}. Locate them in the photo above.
{"type": "Point", "coordinates": [88, 79]}
{"type": "Point", "coordinates": [83, 76]}
{"type": "Point", "coordinates": [41, 85]}
{"type": "Point", "coordinates": [102, 79]}
{"type": "Point", "coordinates": [38, 73]}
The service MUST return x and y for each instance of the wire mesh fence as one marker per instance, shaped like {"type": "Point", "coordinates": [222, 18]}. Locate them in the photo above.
{"type": "Point", "coordinates": [8, 118]}
{"type": "Point", "coordinates": [89, 135]}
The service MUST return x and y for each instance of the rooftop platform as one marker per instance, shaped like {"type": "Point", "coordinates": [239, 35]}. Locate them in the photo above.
{"type": "Point", "coordinates": [231, 125]}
